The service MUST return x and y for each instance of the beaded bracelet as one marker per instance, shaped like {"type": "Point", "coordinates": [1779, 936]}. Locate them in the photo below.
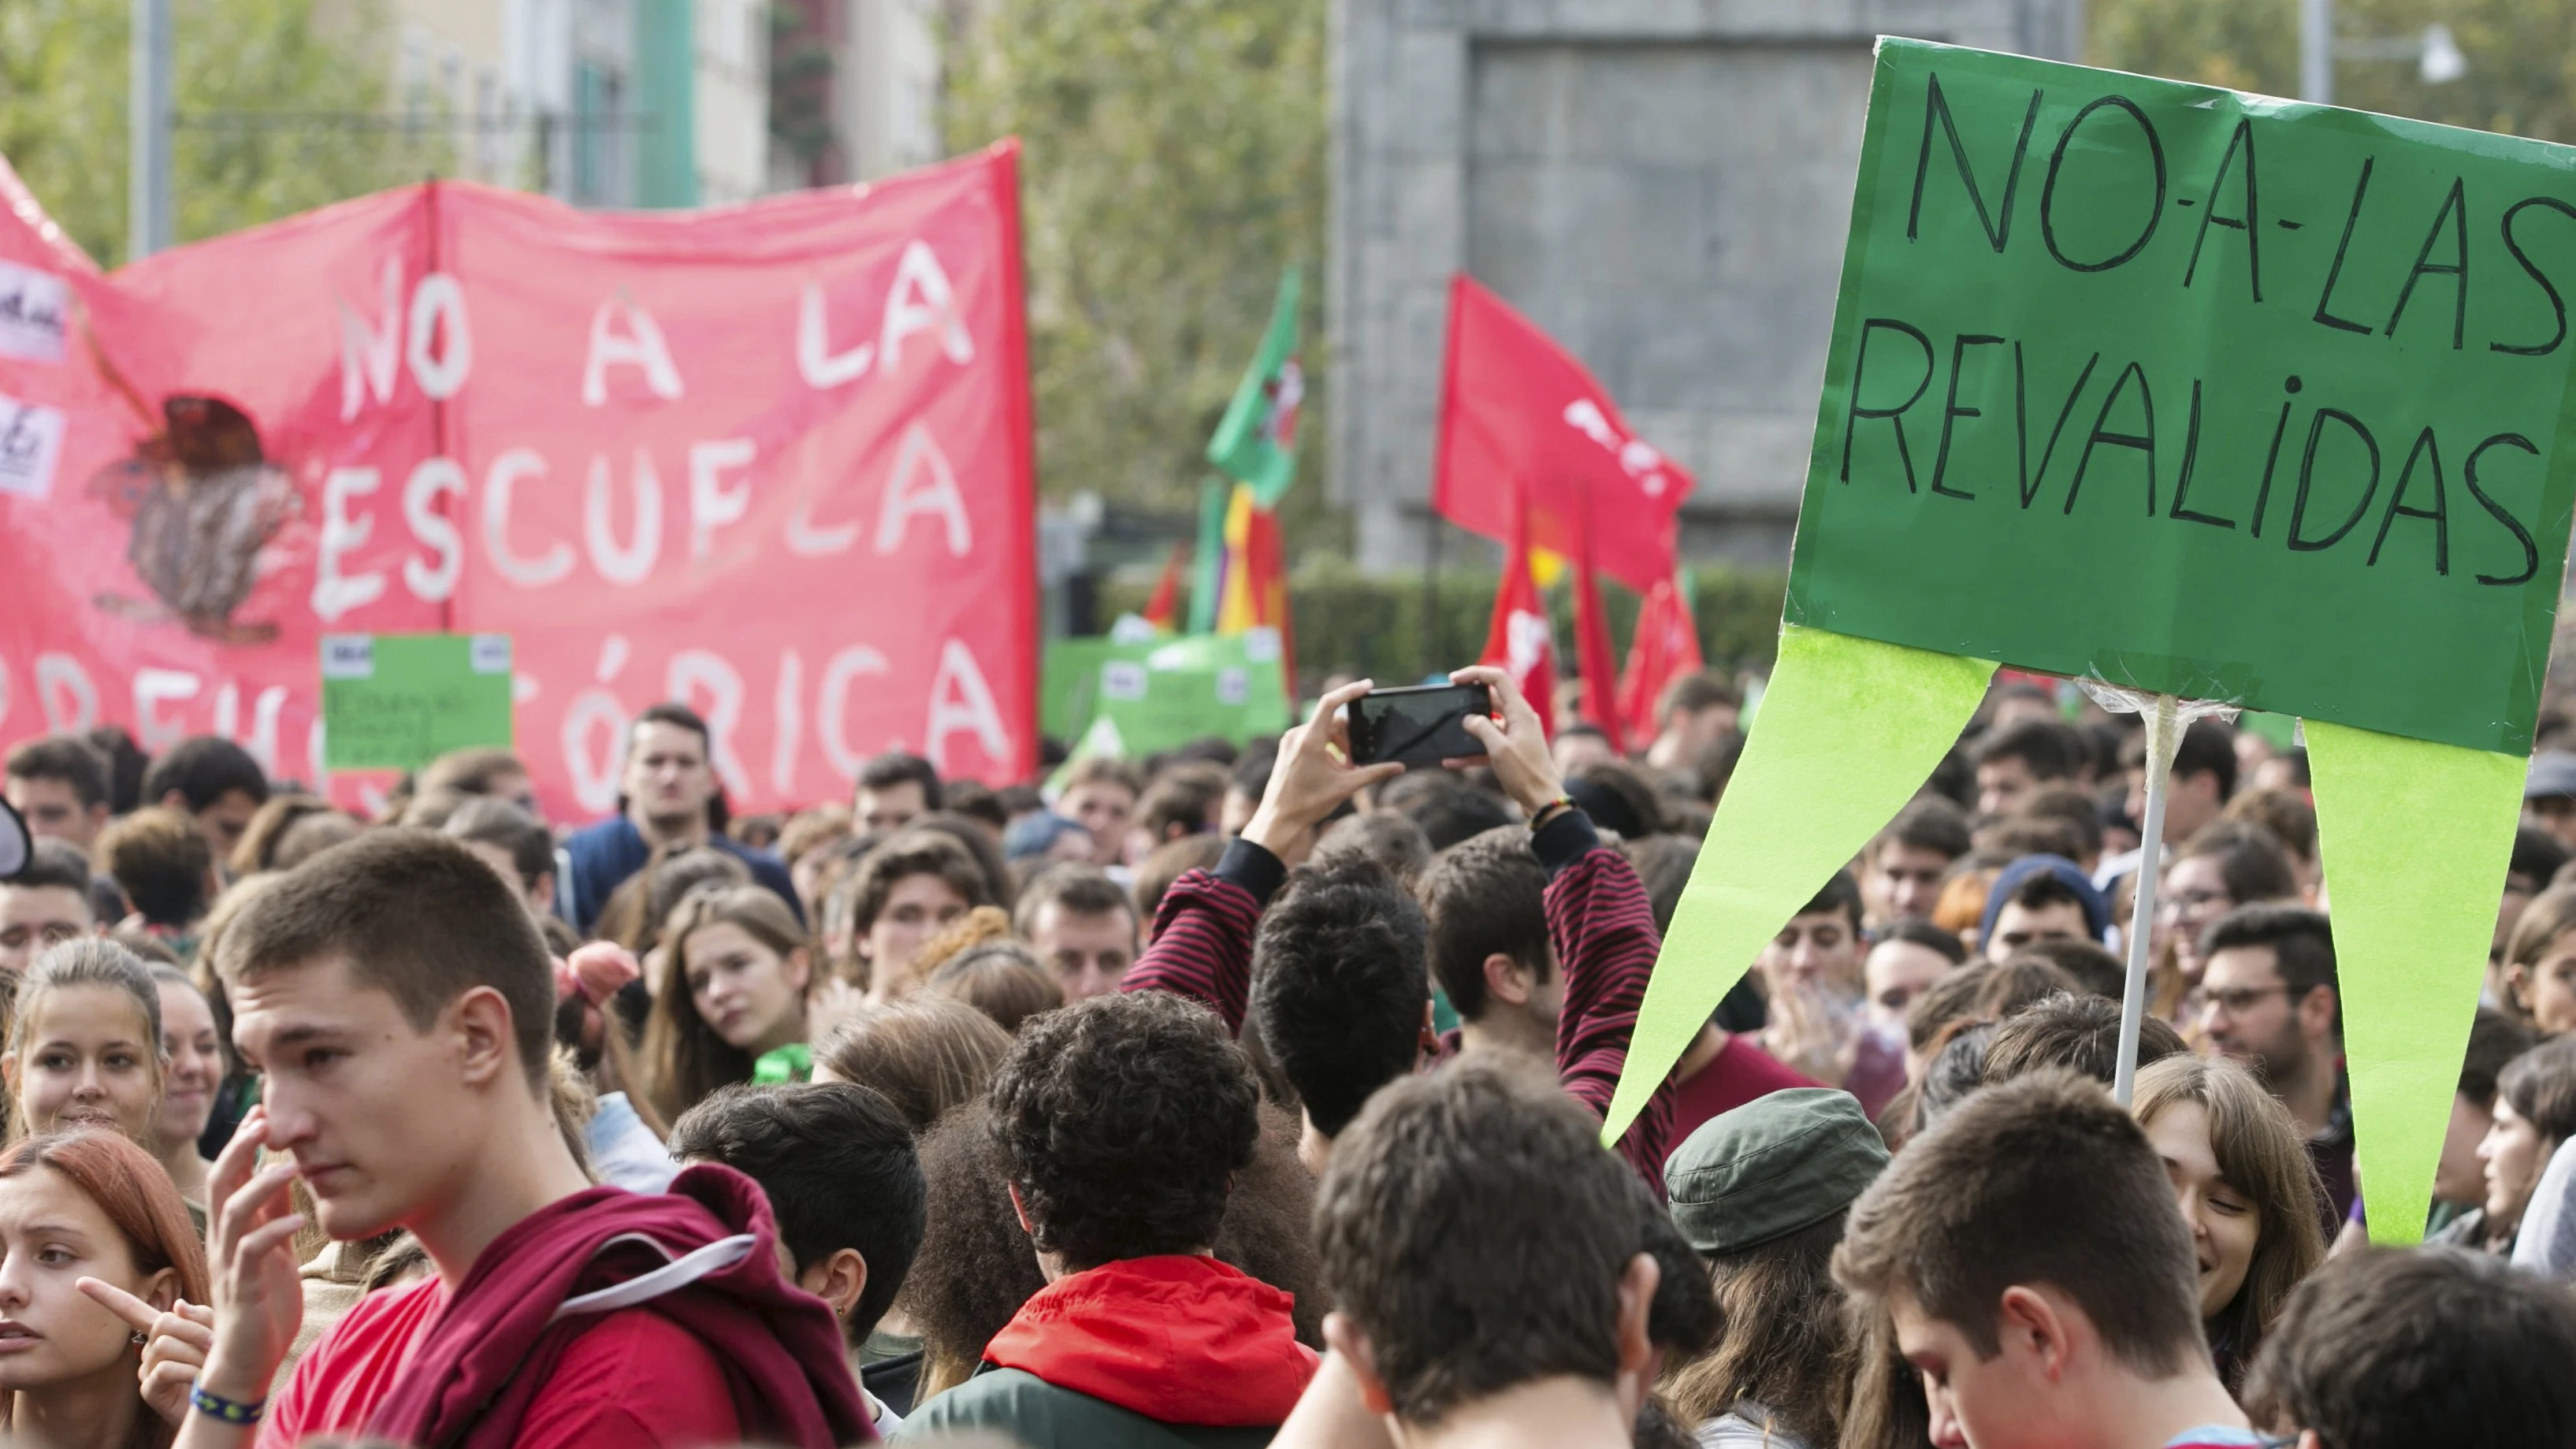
{"type": "Point", "coordinates": [215, 1406]}
{"type": "Point", "coordinates": [1550, 811]}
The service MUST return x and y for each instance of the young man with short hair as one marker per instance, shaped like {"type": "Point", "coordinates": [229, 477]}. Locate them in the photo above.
{"type": "Point", "coordinates": [2203, 778]}
{"type": "Point", "coordinates": [1600, 926]}
{"type": "Point", "coordinates": [1910, 859]}
{"type": "Point", "coordinates": [2269, 999]}
{"type": "Point", "coordinates": [58, 784]}
{"type": "Point", "coordinates": [399, 1005]}
{"type": "Point", "coordinates": [1814, 997]}
{"type": "Point", "coordinates": [1489, 1265]}
{"type": "Point", "coordinates": [512, 842]}
{"type": "Point", "coordinates": [2041, 898]}
{"type": "Point", "coordinates": [2040, 1281]}
{"type": "Point", "coordinates": [1186, 799]}
{"type": "Point", "coordinates": [1484, 900]}
{"type": "Point", "coordinates": [1123, 1121]}
{"type": "Point", "coordinates": [1697, 710]}
{"type": "Point", "coordinates": [1341, 992]}
{"type": "Point", "coordinates": [2408, 1349]}
{"type": "Point", "coordinates": [45, 904]}
{"type": "Point", "coordinates": [667, 793]}
{"type": "Point", "coordinates": [481, 771]}
{"type": "Point", "coordinates": [1081, 925]}
{"type": "Point", "coordinates": [894, 790]}
{"type": "Point", "coordinates": [837, 1163]}
{"type": "Point", "coordinates": [1100, 796]}
{"type": "Point", "coordinates": [160, 859]}
{"type": "Point", "coordinates": [212, 781]}
{"type": "Point", "coordinates": [2016, 760]}
{"type": "Point", "coordinates": [903, 892]}
{"type": "Point", "coordinates": [2077, 1031]}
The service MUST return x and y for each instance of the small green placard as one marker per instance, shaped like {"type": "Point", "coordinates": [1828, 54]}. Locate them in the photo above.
{"type": "Point", "coordinates": [399, 701]}
{"type": "Point", "coordinates": [1164, 693]}
{"type": "Point", "coordinates": [2199, 393]}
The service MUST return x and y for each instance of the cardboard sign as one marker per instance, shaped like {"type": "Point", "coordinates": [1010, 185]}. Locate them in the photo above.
{"type": "Point", "coordinates": [1161, 694]}
{"type": "Point", "coordinates": [399, 701]}
{"type": "Point", "coordinates": [2199, 393]}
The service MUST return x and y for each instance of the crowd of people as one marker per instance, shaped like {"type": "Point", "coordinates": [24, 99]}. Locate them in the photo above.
{"type": "Point", "coordinates": [1242, 1096]}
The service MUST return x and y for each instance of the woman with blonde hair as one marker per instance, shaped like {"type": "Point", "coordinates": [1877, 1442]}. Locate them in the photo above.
{"type": "Point", "coordinates": [730, 1002]}
{"type": "Point", "coordinates": [2244, 1182]}
{"type": "Point", "coordinates": [85, 1043]}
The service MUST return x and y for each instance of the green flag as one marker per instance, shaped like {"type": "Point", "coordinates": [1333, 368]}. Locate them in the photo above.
{"type": "Point", "coordinates": [1257, 440]}
{"type": "Point", "coordinates": [1207, 570]}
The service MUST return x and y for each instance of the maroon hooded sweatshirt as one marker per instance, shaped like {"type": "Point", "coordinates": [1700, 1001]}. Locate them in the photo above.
{"type": "Point", "coordinates": [477, 1364]}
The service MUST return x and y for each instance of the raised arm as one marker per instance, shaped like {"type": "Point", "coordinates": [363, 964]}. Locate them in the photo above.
{"type": "Point", "coordinates": [1598, 922]}
{"type": "Point", "coordinates": [1203, 930]}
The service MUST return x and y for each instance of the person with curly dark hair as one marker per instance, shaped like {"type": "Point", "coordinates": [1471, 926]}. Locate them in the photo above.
{"type": "Point", "coordinates": [1122, 1123]}
{"type": "Point", "coordinates": [1334, 953]}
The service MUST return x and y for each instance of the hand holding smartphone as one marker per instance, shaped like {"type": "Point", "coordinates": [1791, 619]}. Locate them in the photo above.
{"type": "Point", "coordinates": [1422, 724]}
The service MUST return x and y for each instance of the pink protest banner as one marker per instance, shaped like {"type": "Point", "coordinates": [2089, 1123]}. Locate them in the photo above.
{"type": "Point", "coordinates": [772, 461]}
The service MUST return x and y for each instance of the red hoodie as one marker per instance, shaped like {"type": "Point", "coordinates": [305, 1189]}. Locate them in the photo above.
{"type": "Point", "coordinates": [1181, 1339]}
{"type": "Point", "coordinates": [480, 1364]}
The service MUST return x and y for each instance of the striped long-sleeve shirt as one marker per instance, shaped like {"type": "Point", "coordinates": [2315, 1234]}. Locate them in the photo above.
{"type": "Point", "coordinates": [1598, 920]}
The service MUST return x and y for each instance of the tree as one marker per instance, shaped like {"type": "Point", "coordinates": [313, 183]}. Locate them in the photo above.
{"type": "Point", "coordinates": [2521, 53]}
{"type": "Point", "coordinates": [1174, 162]}
{"type": "Point", "coordinates": [63, 111]}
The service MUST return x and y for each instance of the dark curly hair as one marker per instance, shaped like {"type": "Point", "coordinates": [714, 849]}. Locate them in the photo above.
{"type": "Point", "coordinates": [1340, 976]}
{"type": "Point", "coordinates": [975, 1269]}
{"type": "Point", "coordinates": [1125, 1119]}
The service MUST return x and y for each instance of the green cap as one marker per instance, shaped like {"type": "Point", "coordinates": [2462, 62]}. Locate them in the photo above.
{"type": "Point", "coordinates": [1770, 1167]}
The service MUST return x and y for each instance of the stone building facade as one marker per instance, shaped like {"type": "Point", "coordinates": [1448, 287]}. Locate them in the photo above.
{"type": "Point", "coordinates": [1663, 185]}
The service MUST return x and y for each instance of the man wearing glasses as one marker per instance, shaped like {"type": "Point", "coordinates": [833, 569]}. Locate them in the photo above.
{"type": "Point", "coordinates": [2268, 1000]}
{"type": "Point", "coordinates": [45, 905]}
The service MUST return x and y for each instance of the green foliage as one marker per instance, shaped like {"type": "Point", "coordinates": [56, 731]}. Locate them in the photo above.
{"type": "Point", "coordinates": [1373, 625]}
{"type": "Point", "coordinates": [63, 109]}
{"type": "Point", "coordinates": [1174, 163]}
{"type": "Point", "coordinates": [2521, 55]}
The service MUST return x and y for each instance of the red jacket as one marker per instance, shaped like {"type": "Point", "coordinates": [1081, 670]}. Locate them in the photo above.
{"type": "Point", "coordinates": [472, 1377]}
{"type": "Point", "coordinates": [1180, 1339]}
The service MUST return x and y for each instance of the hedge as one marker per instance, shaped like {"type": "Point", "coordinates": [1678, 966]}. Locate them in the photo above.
{"type": "Point", "coordinates": [1373, 624]}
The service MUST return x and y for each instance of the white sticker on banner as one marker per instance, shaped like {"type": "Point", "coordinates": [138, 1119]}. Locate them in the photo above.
{"type": "Point", "coordinates": [1233, 685]}
{"type": "Point", "coordinates": [491, 654]}
{"type": "Point", "coordinates": [1122, 679]}
{"type": "Point", "coordinates": [33, 309]}
{"type": "Point", "coordinates": [348, 656]}
{"type": "Point", "coordinates": [1261, 644]}
{"type": "Point", "coordinates": [31, 443]}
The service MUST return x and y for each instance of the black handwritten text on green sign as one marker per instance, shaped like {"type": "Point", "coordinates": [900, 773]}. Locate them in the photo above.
{"type": "Point", "coordinates": [2201, 393]}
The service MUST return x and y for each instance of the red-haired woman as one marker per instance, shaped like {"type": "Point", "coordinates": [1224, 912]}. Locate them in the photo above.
{"type": "Point", "coordinates": [82, 1212]}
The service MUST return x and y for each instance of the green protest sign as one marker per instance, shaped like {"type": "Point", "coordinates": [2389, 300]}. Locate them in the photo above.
{"type": "Point", "coordinates": [398, 701]}
{"type": "Point", "coordinates": [1164, 693]}
{"type": "Point", "coordinates": [2206, 395]}
{"type": "Point", "coordinates": [2200, 393]}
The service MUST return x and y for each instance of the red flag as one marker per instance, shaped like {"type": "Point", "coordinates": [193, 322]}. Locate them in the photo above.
{"type": "Point", "coordinates": [1592, 654]}
{"type": "Point", "coordinates": [1518, 412]}
{"type": "Point", "coordinates": [1519, 640]}
{"type": "Point", "coordinates": [1160, 609]}
{"type": "Point", "coordinates": [1666, 647]}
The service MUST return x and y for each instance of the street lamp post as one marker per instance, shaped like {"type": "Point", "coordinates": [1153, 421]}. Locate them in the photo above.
{"type": "Point", "coordinates": [2316, 51]}
{"type": "Point", "coordinates": [147, 167]}
{"type": "Point", "coordinates": [2436, 55]}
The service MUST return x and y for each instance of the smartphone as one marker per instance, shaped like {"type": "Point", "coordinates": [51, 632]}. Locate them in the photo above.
{"type": "Point", "coordinates": [1425, 723]}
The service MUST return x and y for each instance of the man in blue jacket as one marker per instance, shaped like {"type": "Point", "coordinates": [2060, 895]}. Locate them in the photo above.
{"type": "Point", "coordinates": [668, 794]}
